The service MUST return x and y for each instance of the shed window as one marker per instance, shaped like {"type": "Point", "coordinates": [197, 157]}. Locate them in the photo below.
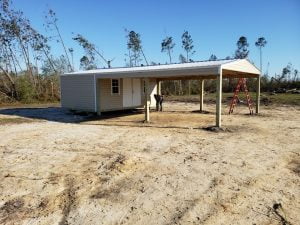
{"type": "Point", "coordinates": [115, 86]}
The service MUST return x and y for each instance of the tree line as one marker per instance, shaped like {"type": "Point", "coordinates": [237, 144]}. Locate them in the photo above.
{"type": "Point", "coordinates": [29, 71]}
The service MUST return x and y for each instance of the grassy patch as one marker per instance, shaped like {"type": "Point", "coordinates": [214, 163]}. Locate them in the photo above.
{"type": "Point", "coordinates": [266, 98]}
{"type": "Point", "coordinates": [285, 99]}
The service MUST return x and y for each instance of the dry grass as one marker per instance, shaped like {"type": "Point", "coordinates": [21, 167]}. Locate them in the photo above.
{"type": "Point", "coordinates": [4, 121]}
{"type": "Point", "coordinates": [266, 98]}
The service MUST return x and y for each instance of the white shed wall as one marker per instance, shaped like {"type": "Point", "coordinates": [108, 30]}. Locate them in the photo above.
{"type": "Point", "coordinates": [152, 90]}
{"type": "Point", "coordinates": [77, 92]}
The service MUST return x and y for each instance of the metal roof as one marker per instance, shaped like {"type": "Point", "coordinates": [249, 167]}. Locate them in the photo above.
{"type": "Point", "coordinates": [179, 69]}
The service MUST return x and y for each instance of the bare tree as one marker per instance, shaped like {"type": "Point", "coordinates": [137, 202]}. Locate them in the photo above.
{"type": "Point", "coordinates": [167, 45]}
{"type": "Point", "coordinates": [296, 74]}
{"type": "Point", "coordinates": [242, 51]}
{"type": "Point", "coordinates": [21, 45]}
{"type": "Point", "coordinates": [213, 57]}
{"type": "Point", "coordinates": [260, 43]}
{"type": "Point", "coordinates": [91, 49]}
{"type": "Point", "coordinates": [134, 46]}
{"type": "Point", "coordinates": [71, 50]}
{"type": "Point", "coordinates": [187, 44]}
{"type": "Point", "coordinates": [51, 22]}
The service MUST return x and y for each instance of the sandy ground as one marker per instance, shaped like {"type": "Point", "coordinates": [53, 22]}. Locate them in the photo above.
{"type": "Point", "coordinates": [55, 169]}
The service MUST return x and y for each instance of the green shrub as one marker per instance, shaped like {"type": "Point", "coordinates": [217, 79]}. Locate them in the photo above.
{"type": "Point", "coordinates": [26, 91]}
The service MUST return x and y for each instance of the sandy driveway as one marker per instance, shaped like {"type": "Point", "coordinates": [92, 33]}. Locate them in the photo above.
{"type": "Point", "coordinates": [54, 170]}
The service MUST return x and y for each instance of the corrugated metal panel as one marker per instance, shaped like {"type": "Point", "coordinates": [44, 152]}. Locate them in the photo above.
{"type": "Point", "coordinates": [109, 101]}
{"type": "Point", "coordinates": [77, 92]}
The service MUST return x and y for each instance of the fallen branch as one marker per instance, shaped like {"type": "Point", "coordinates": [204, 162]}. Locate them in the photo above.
{"type": "Point", "coordinates": [283, 220]}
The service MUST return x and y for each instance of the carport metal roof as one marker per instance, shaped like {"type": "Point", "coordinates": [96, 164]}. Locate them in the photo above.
{"type": "Point", "coordinates": [207, 69]}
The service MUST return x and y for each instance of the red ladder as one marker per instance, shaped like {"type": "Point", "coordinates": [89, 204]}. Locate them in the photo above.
{"type": "Point", "coordinates": [241, 84]}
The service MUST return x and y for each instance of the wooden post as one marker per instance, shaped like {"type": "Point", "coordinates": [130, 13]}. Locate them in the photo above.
{"type": "Point", "coordinates": [257, 94]}
{"type": "Point", "coordinates": [158, 92]}
{"type": "Point", "coordinates": [147, 101]}
{"type": "Point", "coordinates": [158, 86]}
{"type": "Point", "coordinates": [201, 94]}
{"type": "Point", "coordinates": [219, 99]}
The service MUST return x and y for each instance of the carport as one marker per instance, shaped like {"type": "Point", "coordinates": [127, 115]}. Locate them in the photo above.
{"type": "Point", "coordinates": [219, 70]}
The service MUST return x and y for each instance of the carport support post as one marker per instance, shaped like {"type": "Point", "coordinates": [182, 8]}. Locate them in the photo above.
{"type": "Point", "coordinates": [158, 92]}
{"type": "Point", "coordinates": [201, 94]}
{"type": "Point", "coordinates": [147, 100]}
{"type": "Point", "coordinates": [219, 99]}
{"type": "Point", "coordinates": [158, 86]}
{"type": "Point", "coordinates": [257, 94]}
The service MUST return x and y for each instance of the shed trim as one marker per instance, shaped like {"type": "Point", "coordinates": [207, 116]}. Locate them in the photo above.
{"type": "Point", "coordinates": [95, 94]}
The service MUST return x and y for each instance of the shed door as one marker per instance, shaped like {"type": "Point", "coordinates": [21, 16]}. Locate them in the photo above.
{"type": "Point", "coordinates": [136, 92]}
{"type": "Point", "coordinates": [131, 92]}
{"type": "Point", "coordinates": [127, 92]}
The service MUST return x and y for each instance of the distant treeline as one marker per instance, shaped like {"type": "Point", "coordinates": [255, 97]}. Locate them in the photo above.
{"type": "Point", "coordinates": [29, 68]}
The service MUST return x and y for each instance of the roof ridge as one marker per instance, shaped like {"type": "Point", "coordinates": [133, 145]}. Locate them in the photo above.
{"type": "Point", "coordinates": [207, 63]}
{"type": "Point", "coordinates": [159, 64]}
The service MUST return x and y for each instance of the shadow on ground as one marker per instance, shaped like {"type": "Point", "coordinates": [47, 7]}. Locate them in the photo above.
{"type": "Point", "coordinates": [58, 114]}
{"type": "Point", "coordinates": [124, 118]}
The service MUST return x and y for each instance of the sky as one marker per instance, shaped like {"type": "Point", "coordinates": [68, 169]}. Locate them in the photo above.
{"type": "Point", "coordinates": [215, 27]}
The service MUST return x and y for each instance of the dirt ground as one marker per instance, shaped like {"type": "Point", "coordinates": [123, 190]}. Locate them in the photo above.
{"type": "Point", "coordinates": [61, 168]}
